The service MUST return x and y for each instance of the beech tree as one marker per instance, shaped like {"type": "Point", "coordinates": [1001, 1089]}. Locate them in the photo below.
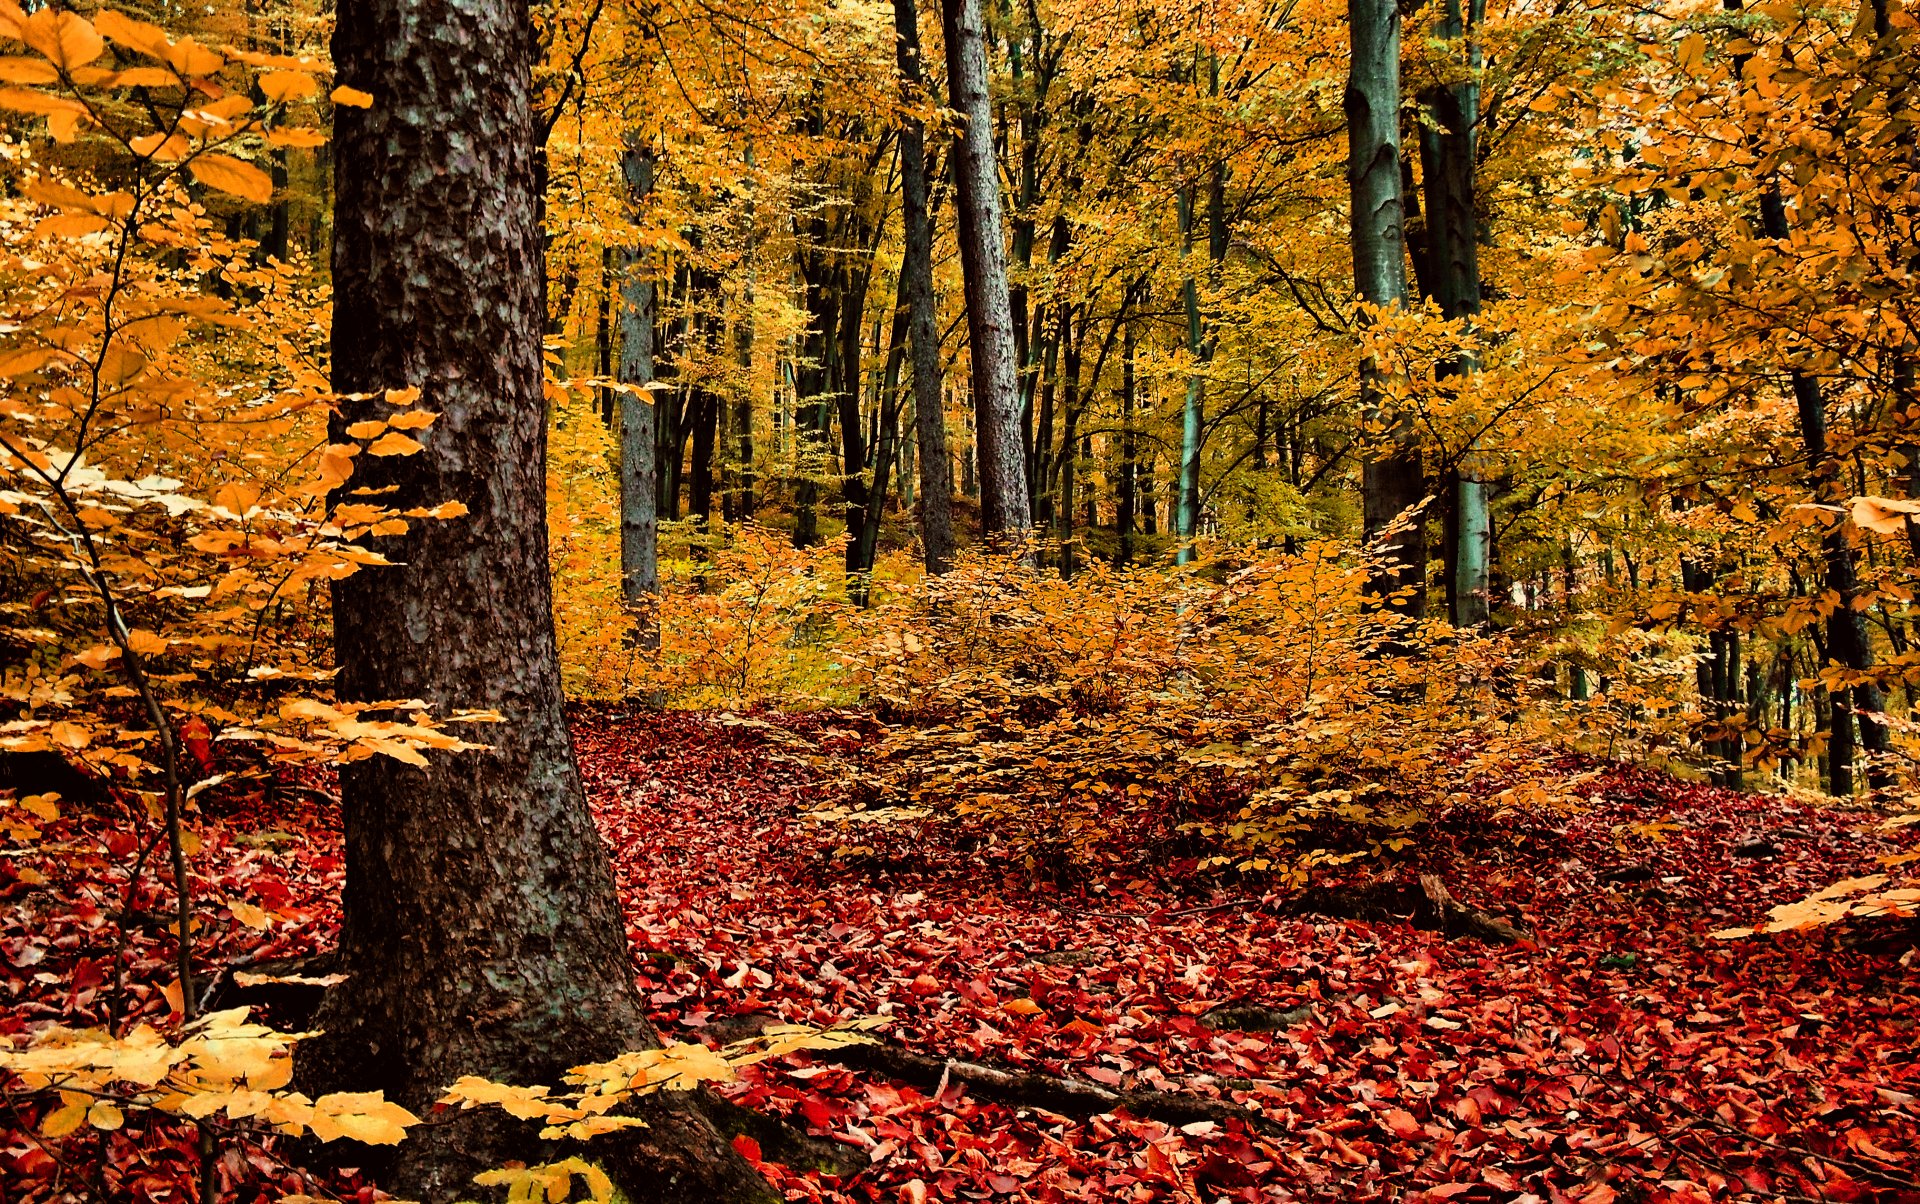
{"type": "Point", "coordinates": [481, 931]}
{"type": "Point", "coordinates": [1392, 485]}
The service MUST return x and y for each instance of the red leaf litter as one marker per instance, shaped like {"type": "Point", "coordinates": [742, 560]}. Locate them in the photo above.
{"type": "Point", "coordinates": [1621, 1055]}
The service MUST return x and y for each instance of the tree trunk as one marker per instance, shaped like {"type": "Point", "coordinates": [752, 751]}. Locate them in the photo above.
{"type": "Point", "coordinates": [1847, 640]}
{"type": "Point", "coordinates": [639, 472]}
{"type": "Point", "coordinates": [1448, 143]}
{"type": "Point", "coordinates": [1005, 519]}
{"type": "Point", "coordinates": [1127, 491]}
{"type": "Point", "coordinates": [481, 933]}
{"type": "Point", "coordinates": [1393, 485]}
{"type": "Point", "coordinates": [916, 293]}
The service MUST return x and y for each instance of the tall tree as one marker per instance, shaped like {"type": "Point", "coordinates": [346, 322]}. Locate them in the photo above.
{"type": "Point", "coordinates": [1004, 513]}
{"type": "Point", "coordinates": [916, 293]}
{"type": "Point", "coordinates": [1448, 152]}
{"type": "Point", "coordinates": [1392, 484]}
{"type": "Point", "coordinates": [481, 933]}
{"type": "Point", "coordinates": [639, 469]}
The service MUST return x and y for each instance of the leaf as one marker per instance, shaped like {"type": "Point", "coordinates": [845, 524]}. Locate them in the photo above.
{"type": "Point", "coordinates": [146, 643]}
{"type": "Point", "coordinates": [282, 86]}
{"type": "Point", "coordinates": [140, 36]}
{"type": "Point", "coordinates": [297, 136]}
{"type": "Point", "coordinates": [19, 70]}
{"type": "Point", "coordinates": [363, 1116]}
{"type": "Point", "coordinates": [352, 97]}
{"type": "Point", "coordinates": [250, 915]}
{"type": "Point", "coordinates": [230, 175]}
{"type": "Point", "coordinates": [393, 443]}
{"type": "Point", "coordinates": [366, 430]}
{"type": "Point", "coordinates": [64, 1120]}
{"type": "Point", "coordinates": [105, 1116]}
{"type": "Point", "coordinates": [67, 39]}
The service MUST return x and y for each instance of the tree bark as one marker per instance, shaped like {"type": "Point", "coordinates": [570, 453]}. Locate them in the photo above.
{"type": "Point", "coordinates": [1847, 641]}
{"type": "Point", "coordinates": [916, 293]}
{"type": "Point", "coordinates": [1392, 484]}
{"type": "Point", "coordinates": [481, 933]}
{"type": "Point", "coordinates": [639, 471]}
{"type": "Point", "coordinates": [1005, 519]}
{"type": "Point", "coordinates": [1448, 143]}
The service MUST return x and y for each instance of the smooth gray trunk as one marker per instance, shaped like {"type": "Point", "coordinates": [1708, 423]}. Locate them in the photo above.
{"type": "Point", "coordinates": [1393, 487]}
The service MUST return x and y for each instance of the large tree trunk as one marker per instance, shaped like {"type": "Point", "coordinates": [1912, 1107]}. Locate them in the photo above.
{"type": "Point", "coordinates": [916, 293]}
{"type": "Point", "coordinates": [639, 471]}
{"type": "Point", "coordinates": [1004, 515]}
{"type": "Point", "coordinates": [1847, 641]}
{"type": "Point", "coordinates": [1448, 144]}
{"type": "Point", "coordinates": [481, 933]}
{"type": "Point", "coordinates": [1392, 484]}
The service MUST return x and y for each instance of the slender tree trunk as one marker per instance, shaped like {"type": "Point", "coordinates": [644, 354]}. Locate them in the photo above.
{"type": "Point", "coordinates": [1393, 485]}
{"type": "Point", "coordinates": [639, 473]}
{"type": "Point", "coordinates": [1004, 516]}
{"type": "Point", "coordinates": [1192, 415]}
{"type": "Point", "coordinates": [603, 334]}
{"type": "Point", "coordinates": [742, 405]}
{"type": "Point", "coordinates": [480, 932]}
{"type": "Point", "coordinates": [1847, 640]}
{"type": "Point", "coordinates": [916, 294]}
{"type": "Point", "coordinates": [1127, 493]}
{"type": "Point", "coordinates": [1448, 145]}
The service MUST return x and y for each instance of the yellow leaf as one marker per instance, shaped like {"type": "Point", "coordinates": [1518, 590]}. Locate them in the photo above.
{"type": "Point", "coordinates": [26, 100]}
{"type": "Point", "coordinates": [363, 1116]}
{"type": "Point", "coordinates": [189, 57]}
{"type": "Point", "coordinates": [105, 1116]}
{"type": "Point", "coordinates": [393, 444]}
{"type": "Point", "coordinates": [146, 643]}
{"type": "Point", "coordinates": [42, 806]}
{"type": "Point", "coordinates": [67, 39]}
{"type": "Point", "coordinates": [22, 360]}
{"type": "Point", "coordinates": [161, 147]}
{"type": "Point", "coordinates": [229, 174]}
{"type": "Point", "coordinates": [65, 126]}
{"type": "Point", "coordinates": [298, 136]}
{"type": "Point", "coordinates": [70, 225]}
{"type": "Point", "coordinates": [62, 1121]}
{"type": "Point", "coordinates": [366, 430]}
{"type": "Point", "coordinates": [279, 86]}
{"type": "Point", "coordinates": [149, 40]}
{"type": "Point", "coordinates": [413, 420]}
{"type": "Point", "coordinates": [248, 914]}
{"type": "Point", "coordinates": [22, 70]}
{"type": "Point", "coordinates": [353, 97]}
{"type": "Point", "coordinates": [145, 77]}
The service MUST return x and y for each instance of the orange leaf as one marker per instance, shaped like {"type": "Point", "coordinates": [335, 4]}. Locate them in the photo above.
{"type": "Point", "coordinates": [229, 174]}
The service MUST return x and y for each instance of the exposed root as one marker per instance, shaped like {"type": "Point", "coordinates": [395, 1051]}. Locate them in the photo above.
{"type": "Point", "coordinates": [1426, 903]}
{"type": "Point", "coordinates": [1032, 1089]}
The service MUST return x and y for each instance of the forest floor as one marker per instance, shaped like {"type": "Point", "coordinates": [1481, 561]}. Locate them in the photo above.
{"type": "Point", "coordinates": [1619, 1054]}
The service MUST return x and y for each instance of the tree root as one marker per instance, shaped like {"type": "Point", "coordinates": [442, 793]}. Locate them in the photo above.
{"type": "Point", "coordinates": [1065, 1096]}
{"type": "Point", "coordinates": [1427, 903]}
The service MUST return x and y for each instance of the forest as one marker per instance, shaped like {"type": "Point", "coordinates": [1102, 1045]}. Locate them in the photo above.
{"type": "Point", "coordinates": [723, 602]}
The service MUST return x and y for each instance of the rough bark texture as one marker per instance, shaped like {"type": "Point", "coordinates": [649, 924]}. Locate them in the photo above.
{"type": "Point", "coordinates": [639, 473]}
{"type": "Point", "coordinates": [1004, 513]}
{"type": "Point", "coordinates": [481, 933]}
{"type": "Point", "coordinates": [1392, 484]}
{"type": "Point", "coordinates": [916, 292]}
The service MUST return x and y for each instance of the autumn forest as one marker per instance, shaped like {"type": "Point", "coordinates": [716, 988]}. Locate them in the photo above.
{"type": "Point", "coordinates": [886, 601]}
